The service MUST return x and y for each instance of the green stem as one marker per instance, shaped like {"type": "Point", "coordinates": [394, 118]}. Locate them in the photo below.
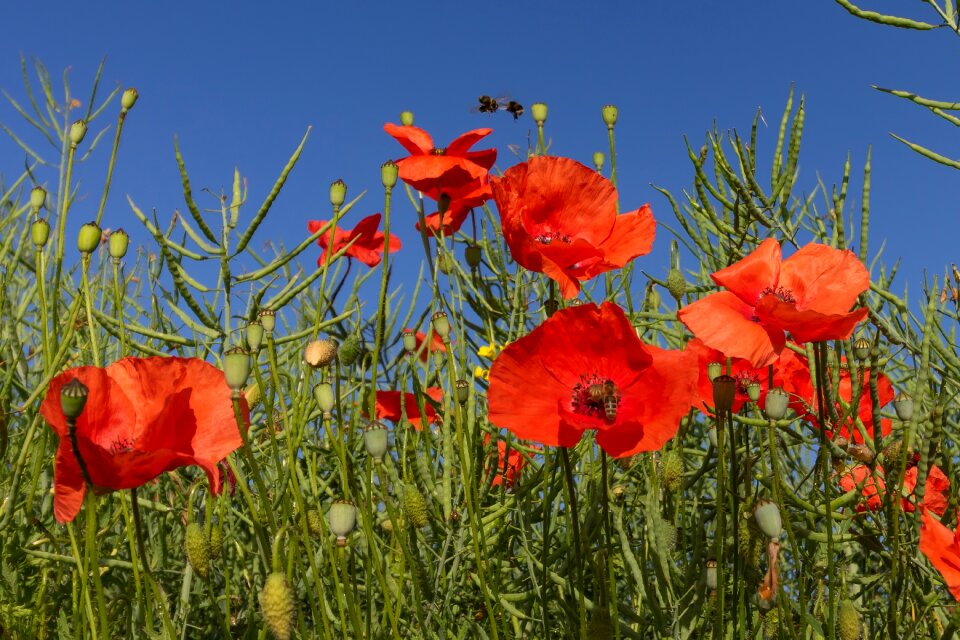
{"type": "Point", "coordinates": [113, 158]}
{"type": "Point", "coordinates": [93, 563]}
{"type": "Point", "coordinates": [61, 230]}
{"type": "Point", "coordinates": [577, 541]}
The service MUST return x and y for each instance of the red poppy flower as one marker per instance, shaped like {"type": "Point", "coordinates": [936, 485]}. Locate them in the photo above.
{"type": "Point", "coordinates": [585, 368]}
{"type": "Point", "coordinates": [435, 345]}
{"type": "Point", "coordinates": [793, 373]}
{"type": "Point", "coordinates": [560, 218]}
{"type": "Point", "coordinates": [873, 486]}
{"type": "Point", "coordinates": [456, 214]}
{"type": "Point", "coordinates": [143, 416]}
{"type": "Point", "coordinates": [508, 465]}
{"type": "Point", "coordinates": [454, 170]}
{"type": "Point", "coordinates": [942, 548]}
{"type": "Point", "coordinates": [388, 406]}
{"type": "Point", "coordinates": [367, 243]}
{"type": "Point", "coordinates": [809, 294]}
{"type": "Point", "coordinates": [742, 371]}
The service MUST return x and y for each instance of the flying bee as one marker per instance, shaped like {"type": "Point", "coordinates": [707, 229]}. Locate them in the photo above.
{"type": "Point", "coordinates": [488, 104]}
{"type": "Point", "coordinates": [514, 108]}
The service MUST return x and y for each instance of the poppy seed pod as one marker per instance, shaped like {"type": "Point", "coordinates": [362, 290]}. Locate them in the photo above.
{"type": "Point", "coordinates": [767, 515]}
{"type": "Point", "coordinates": [128, 99]}
{"type": "Point", "coordinates": [676, 284]}
{"type": "Point", "coordinates": [753, 391]}
{"type": "Point", "coordinates": [903, 405]}
{"type": "Point", "coordinates": [375, 440]}
{"type": "Point", "coordinates": [406, 118]}
{"type": "Point", "coordinates": [444, 262]}
{"type": "Point", "coordinates": [775, 406]}
{"type": "Point", "coordinates": [724, 392]}
{"type": "Point", "coordinates": [276, 604]}
{"type": "Point", "coordinates": [443, 203]}
{"type": "Point", "coordinates": [78, 130]}
{"type": "Point", "coordinates": [551, 305]}
{"type": "Point", "coordinates": [320, 353]}
{"type": "Point", "coordinates": [236, 368]}
{"type": "Point", "coordinates": [338, 192]}
{"type": "Point", "coordinates": [714, 369]}
{"type": "Point", "coordinates": [350, 350]}
{"type": "Point", "coordinates": [409, 340]}
{"type": "Point", "coordinates": [40, 232]}
{"type": "Point", "coordinates": [326, 399]}
{"type": "Point", "coordinates": [89, 238]}
{"type": "Point", "coordinates": [609, 113]}
{"type": "Point", "coordinates": [539, 112]}
{"type": "Point", "coordinates": [389, 172]}
{"type": "Point", "coordinates": [861, 348]}
{"type": "Point", "coordinates": [598, 159]}
{"type": "Point", "coordinates": [73, 397]}
{"type": "Point", "coordinates": [473, 255]}
{"type": "Point", "coordinates": [268, 318]}
{"type": "Point", "coordinates": [198, 549]}
{"type": "Point", "coordinates": [710, 574]}
{"type": "Point", "coordinates": [343, 517]}
{"type": "Point", "coordinates": [441, 325]}
{"type": "Point", "coordinates": [463, 391]}
{"type": "Point", "coordinates": [38, 197]}
{"type": "Point", "coordinates": [254, 335]}
{"type": "Point", "coordinates": [119, 241]}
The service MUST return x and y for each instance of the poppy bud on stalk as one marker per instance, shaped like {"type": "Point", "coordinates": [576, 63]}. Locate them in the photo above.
{"type": "Point", "coordinates": [406, 118]}
{"type": "Point", "coordinates": [389, 172]}
{"type": "Point", "coordinates": [338, 192]}
{"type": "Point", "coordinates": [268, 318]}
{"type": "Point", "coordinates": [320, 353]}
{"type": "Point", "coordinates": [463, 391]}
{"type": "Point", "coordinates": [118, 244]}
{"type": "Point", "coordinates": [903, 405]}
{"type": "Point", "coordinates": [343, 517]}
{"type": "Point", "coordinates": [350, 350]}
{"type": "Point", "coordinates": [598, 159]}
{"type": "Point", "coordinates": [73, 398]}
{"type": "Point", "coordinates": [314, 523]}
{"type": "Point", "coordinates": [861, 348]}
{"type": "Point", "coordinates": [539, 112]}
{"type": "Point", "coordinates": [236, 368]}
{"type": "Point", "coordinates": [198, 549]}
{"type": "Point", "coordinates": [676, 284]}
{"type": "Point", "coordinates": [78, 130]}
{"type": "Point", "coordinates": [40, 233]}
{"type": "Point", "coordinates": [254, 335]}
{"type": "Point", "coordinates": [38, 197]}
{"type": "Point", "coordinates": [724, 392]}
{"type": "Point", "coordinates": [276, 604]}
{"type": "Point", "coordinates": [128, 99]}
{"type": "Point", "coordinates": [775, 406]}
{"type": "Point", "coordinates": [472, 254]}
{"type": "Point", "coordinates": [441, 325]}
{"type": "Point", "coordinates": [326, 398]}
{"type": "Point", "coordinates": [714, 369]}
{"type": "Point", "coordinates": [375, 440]}
{"type": "Point", "coordinates": [89, 238]}
{"type": "Point", "coordinates": [609, 113]}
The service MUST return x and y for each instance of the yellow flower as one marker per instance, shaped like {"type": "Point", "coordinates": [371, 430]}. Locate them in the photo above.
{"type": "Point", "coordinates": [480, 372]}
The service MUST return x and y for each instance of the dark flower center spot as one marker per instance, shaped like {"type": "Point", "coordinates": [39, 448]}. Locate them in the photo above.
{"type": "Point", "coordinates": [548, 237]}
{"type": "Point", "coordinates": [121, 445]}
{"type": "Point", "coordinates": [780, 293]}
{"type": "Point", "coordinates": [745, 379]}
{"type": "Point", "coordinates": [440, 151]}
{"type": "Point", "coordinates": [595, 397]}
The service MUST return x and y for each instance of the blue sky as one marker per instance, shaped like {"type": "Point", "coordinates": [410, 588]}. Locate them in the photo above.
{"type": "Point", "coordinates": [240, 82]}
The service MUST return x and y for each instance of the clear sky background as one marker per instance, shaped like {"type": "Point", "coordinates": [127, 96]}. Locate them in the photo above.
{"type": "Point", "coordinates": [240, 82]}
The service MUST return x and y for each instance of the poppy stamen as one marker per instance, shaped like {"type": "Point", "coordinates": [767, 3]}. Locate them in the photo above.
{"type": "Point", "coordinates": [596, 397]}
{"type": "Point", "coordinates": [782, 294]}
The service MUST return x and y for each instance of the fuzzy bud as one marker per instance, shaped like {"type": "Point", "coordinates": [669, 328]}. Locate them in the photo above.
{"type": "Point", "coordinates": [40, 233]}
{"type": "Point", "coordinates": [375, 440]}
{"type": "Point", "coordinates": [598, 159]}
{"type": "Point", "coordinates": [118, 243]}
{"type": "Point", "coordinates": [609, 113]}
{"type": "Point", "coordinates": [73, 398]}
{"type": "Point", "coordinates": [767, 515]}
{"type": "Point", "coordinates": [350, 350]}
{"type": "Point", "coordinates": [78, 130]}
{"type": "Point", "coordinates": [676, 284]}
{"type": "Point", "coordinates": [406, 118]}
{"type": "Point", "coordinates": [198, 549]}
{"type": "Point", "coordinates": [128, 99]}
{"type": "Point", "coordinates": [848, 621]}
{"type": "Point", "coordinates": [320, 353]}
{"type": "Point", "coordinates": [38, 198]}
{"type": "Point", "coordinates": [89, 238]}
{"type": "Point", "coordinates": [276, 604]}
{"type": "Point", "coordinates": [775, 406]}
{"type": "Point", "coordinates": [236, 367]}
{"type": "Point", "coordinates": [216, 542]}
{"type": "Point", "coordinates": [389, 172]}
{"type": "Point", "coordinates": [314, 523]}
{"type": "Point", "coordinates": [671, 471]}
{"type": "Point", "coordinates": [414, 506]}
{"type": "Point", "coordinates": [539, 112]}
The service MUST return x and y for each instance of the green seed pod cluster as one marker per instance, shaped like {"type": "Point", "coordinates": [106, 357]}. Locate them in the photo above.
{"type": "Point", "coordinates": [198, 549]}
{"type": "Point", "coordinates": [414, 506]}
{"type": "Point", "coordinates": [276, 605]}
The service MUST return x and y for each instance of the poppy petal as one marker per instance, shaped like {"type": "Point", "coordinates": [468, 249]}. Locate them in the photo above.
{"type": "Point", "coordinates": [824, 279]}
{"type": "Point", "coordinates": [757, 272]}
{"type": "Point", "coordinates": [938, 543]}
{"type": "Point", "coordinates": [723, 322]}
{"type": "Point", "coordinates": [462, 143]}
{"type": "Point", "coordinates": [632, 236]}
{"type": "Point", "coordinates": [807, 325]}
{"type": "Point", "coordinates": [68, 484]}
{"type": "Point", "coordinates": [414, 139]}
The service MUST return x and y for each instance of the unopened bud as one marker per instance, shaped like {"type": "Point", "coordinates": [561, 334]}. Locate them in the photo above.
{"type": "Point", "coordinates": [350, 350]}
{"type": "Point", "coordinates": [598, 159]}
{"type": "Point", "coordinates": [38, 198]}
{"type": "Point", "coordinates": [676, 284]}
{"type": "Point", "coordinates": [406, 118]}
{"type": "Point", "coordinates": [119, 241]}
{"type": "Point", "coordinates": [277, 605]}
{"type": "Point", "coordinates": [389, 172]}
{"type": "Point", "coordinates": [78, 130]}
{"type": "Point", "coordinates": [128, 99]}
{"type": "Point", "coordinates": [198, 549]}
{"type": "Point", "coordinates": [609, 113]}
{"type": "Point", "coordinates": [539, 112]}
{"type": "Point", "coordinates": [40, 232]}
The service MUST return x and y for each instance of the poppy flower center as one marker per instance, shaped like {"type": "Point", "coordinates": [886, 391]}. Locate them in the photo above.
{"type": "Point", "coordinates": [745, 379]}
{"type": "Point", "coordinates": [440, 151]}
{"type": "Point", "coordinates": [547, 237]}
{"type": "Point", "coordinates": [596, 397]}
{"type": "Point", "coordinates": [780, 293]}
{"type": "Point", "coordinates": [121, 445]}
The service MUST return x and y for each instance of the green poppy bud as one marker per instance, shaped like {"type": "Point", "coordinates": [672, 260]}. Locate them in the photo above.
{"type": "Point", "coordinates": [609, 113]}
{"type": "Point", "coordinates": [268, 318]}
{"type": "Point", "coordinates": [89, 238]}
{"type": "Point", "coordinates": [198, 549]}
{"type": "Point", "coordinates": [314, 523]}
{"type": "Point", "coordinates": [767, 515]}
{"type": "Point", "coordinates": [38, 198]}
{"type": "Point", "coordinates": [254, 335]}
{"type": "Point", "coordinates": [389, 172]}
{"type": "Point", "coordinates": [776, 403]}
{"type": "Point", "coordinates": [40, 232]}
{"type": "Point", "coordinates": [473, 256]}
{"type": "Point", "coordinates": [343, 517]}
{"type": "Point", "coordinates": [539, 112]}
{"type": "Point", "coordinates": [598, 159]}
{"type": "Point", "coordinates": [326, 398]}
{"type": "Point", "coordinates": [119, 241]}
{"type": "Point", "coordinates": [128, 99]}
{"type": "Point", "coordinates": [441, 325]}
{"type": "Point", "coordinates": [338, 192]}
{"type": "Point", "coordinates": [375, 440]}
{"type": "Point", "coordinates": [848, 621]}
{"type": "Point", "coordinates": [73, 398]}
{"type": "Point", "coordinates": [406, 118]}
{"type": "Point", "coordinates": [415, 506]}
{"type": "Point", "coordinates": [861, 348]}
{"type": "Point", "coordinates": [277, 606]}
{"type": "Point", "coordinates": [463, 391]}
{"type": "Point", "coordinates": [350, 350]}
{"type": "Point", "coordinates": [671, 471]}
{"type": "Point", "coordinates": [216, 542]}
{"type": "Point", "coordinates": [78, 130]}
{"type": "Point", "coordinates": [903, 405]}
{"type": "Point", "coordinates": [236, 367]}
{"type": "Point", "coordinates": [676, 284]}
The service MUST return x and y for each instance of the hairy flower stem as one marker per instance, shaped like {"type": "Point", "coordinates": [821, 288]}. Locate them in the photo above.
{"type": "Point", "coordinates": [328, 255]}
{"type": "Point", "coordinates": [381, 301]}
{"type": "Point", "coordinates": [821, 378]}
{"type": "Point", "coordinates": [84, 576]}
{"type": "Point", "coordinates": [93, 561]}
{"type": "Point", "coordinates": [720, 540]}
{"type": "Point", "coordinates": [44, 319]}
{"type": "Point", "coordinates": [611, 587]}
{"type": "Point", "coordinates": [577, 541]}
{"type": "Point", "coordinates": [118, 307]}
{"type": "Point", "coordinates": [113, 159]}
{"type": "Point", "coordinates": [91, 326]}
{"type": "Point", "coordinates": [61, 231]}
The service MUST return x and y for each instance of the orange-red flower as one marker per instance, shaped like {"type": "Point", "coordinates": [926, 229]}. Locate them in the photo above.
{"type": "Point", "coordinates": [560, 218]}
{"type": "Point", "coordinates": [388, 406]}
{"type": "Point", "coordinates": [454, 170]}
{"type": "Point", "coordinates": [873, 486]}
{"type": "Point", "coordinates": [942, 548]}
{"type": "Point", "coordinates": [366, 244]}
{"type": "Point", "coordinates": [742, 371]}
{"type": "Point", "coordinates": [456, 214]}
{"type": "Point", "coordinates": [424, 349]}
{"type": "Point", "coordinates": [793, 373]}
{"type": "Point", "coordinates": [809, 295]}
{"type": "Point", "coordinates": [508, 465]}
{"type": "Point", "coordinates": [143, 416]}
{"type": "Point", "coordinates": [585, 368]}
